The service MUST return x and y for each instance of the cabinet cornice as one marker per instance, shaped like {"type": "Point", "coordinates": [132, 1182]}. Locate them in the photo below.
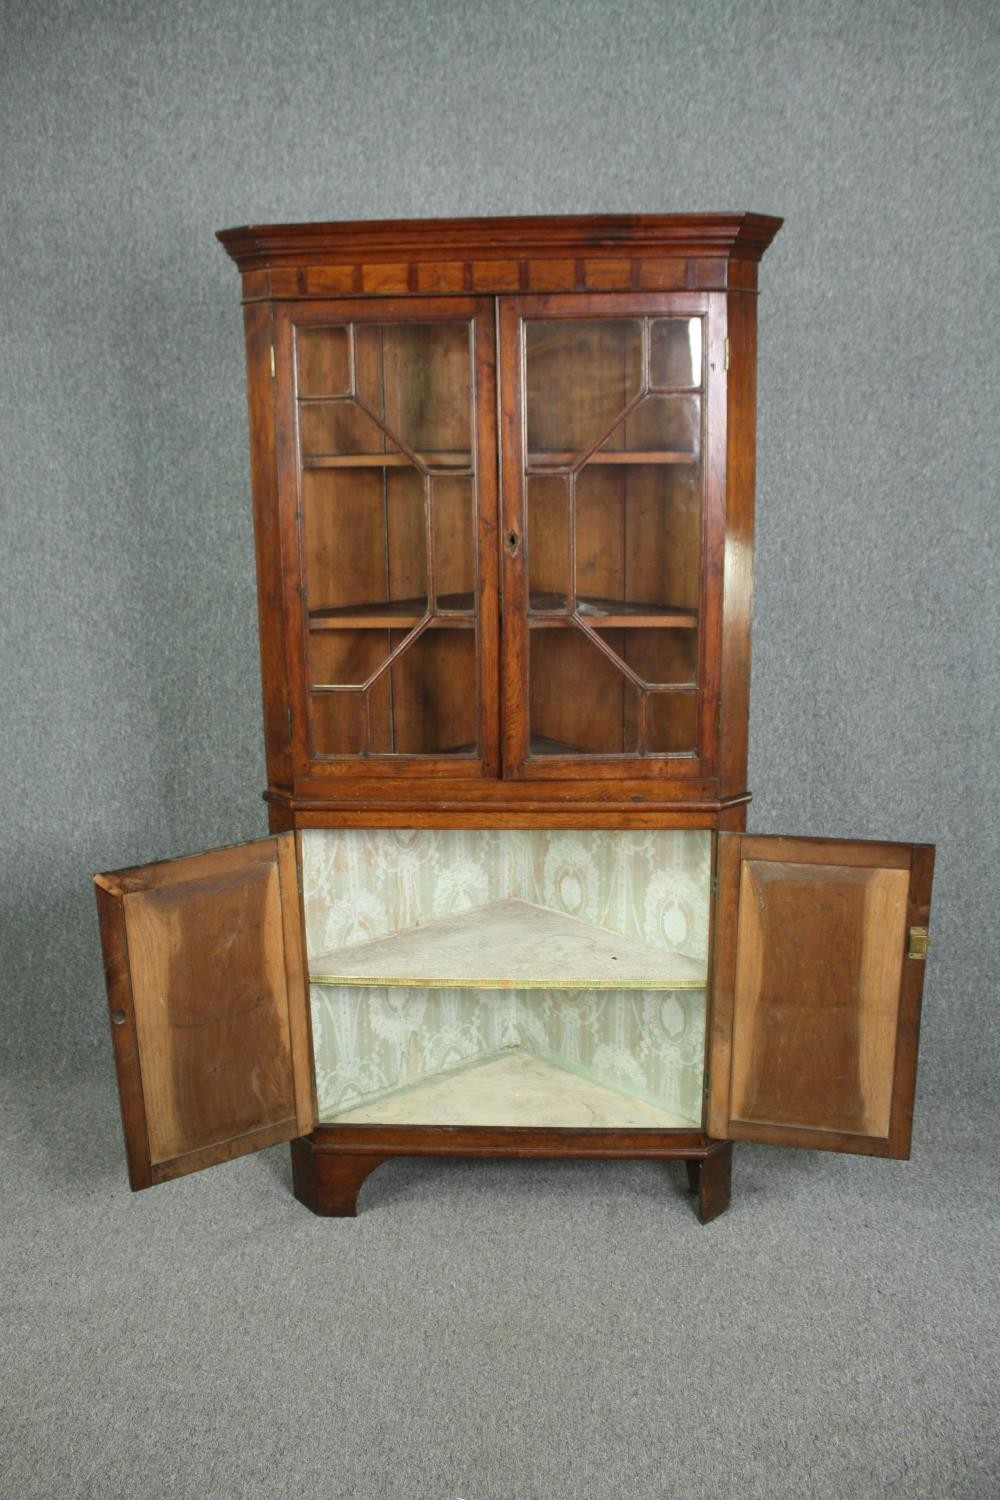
{"type": "Point", "coordinates": [737, 236]}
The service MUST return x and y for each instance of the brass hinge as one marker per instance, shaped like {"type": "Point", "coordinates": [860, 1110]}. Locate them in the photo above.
{"type": "Point", "coordinates": [272, 361]}
{"type": "Point", "coordinates": [727, 355]}
{"type": "Point", "coordinates": [715, 882]}
{"type": "Point", "coordinates": [919, 943]}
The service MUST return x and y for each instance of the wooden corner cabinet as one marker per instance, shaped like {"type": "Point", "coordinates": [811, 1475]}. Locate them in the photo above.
{"type": "Point", "coordinates": [503, 487]}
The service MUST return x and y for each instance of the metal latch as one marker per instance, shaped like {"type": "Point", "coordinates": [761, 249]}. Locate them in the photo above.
{"type": "Point", "coordinates": [919, 943]}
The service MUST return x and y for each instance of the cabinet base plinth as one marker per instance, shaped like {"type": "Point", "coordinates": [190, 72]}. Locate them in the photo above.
{"type": "Point", "coordinates": [329, 1182]}
{"type": "Point", "coordinates": [330, 1166]}
{"type": "Point", "coordinates": [710, 1176]}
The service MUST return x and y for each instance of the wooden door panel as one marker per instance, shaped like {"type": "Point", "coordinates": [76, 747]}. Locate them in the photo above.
{"type": "Point", "coordinates": [816, 1004]}
{"type": "Point", "coordinates": [209, 1006]}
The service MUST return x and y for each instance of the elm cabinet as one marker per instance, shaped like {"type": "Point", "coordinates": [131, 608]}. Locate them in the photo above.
{"type": "Point", "coordinates": [503, 485]}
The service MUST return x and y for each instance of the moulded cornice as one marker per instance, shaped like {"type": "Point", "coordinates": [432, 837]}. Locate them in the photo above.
{"type": "Point", "coordinates": [736, 236]}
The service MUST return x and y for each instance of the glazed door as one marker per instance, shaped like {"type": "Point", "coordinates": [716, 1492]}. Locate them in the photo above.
{"type": "Point", "coordinates": [207, 988]}
{"type": "Point", "coordinates": [387, 464]}
{"type": "Point", "coordinates": [613, 439]}
{"type": "Point", "coordinates": [817, 976]}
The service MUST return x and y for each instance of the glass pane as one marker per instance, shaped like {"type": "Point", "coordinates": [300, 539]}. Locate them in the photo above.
{"type": "Point", "coordinates": [337, 428]}
{"type": "Point", "coordinates": [363, 539]}
{"type": "Point", "coordinates": [425, 703]}
{"type": "Point", "coordinates": [337, 723]}
{"type": "Point", "coordinates": [434, 701]}
{"type": "Point", "coordinates": [578, 378]}
{"type": "Point", "coordinates": [418, 378]}
{"type": "Point", "coordinates": [549, 564]}
{"type": "Point", "coordinates": [638, 537]}
{"type": "Point", "coordinates": [389, 539]}
{"type": "Point", "coordinates": [453, 525]}
{"type": "Point", "coordinates": [580, 703]}
{"type": "Point", "coordinates": [666, 428]}
{"type": "Point", "coordinates": [665, 657]}
{"type": "Point", "coordinates": [672, 724]}
{"type": "Point", "coordinates": [339, 657]}
{"type": "Point", "coordinates": [324, 361]}
{"type": "Point", "coordinates": [675, 352]}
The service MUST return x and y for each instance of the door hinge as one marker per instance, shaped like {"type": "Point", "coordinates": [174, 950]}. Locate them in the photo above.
{"type": "Point", "coordinates": [715, 882]}
{"type": "Point", "coordinates": [289, 723]}
{"type": "Point", "coordinates": [298, 878]}
{"type": "Point", "coordinates": [272, 361]}
{"type": "Point", "coordinates": [919, 943]}
{"type": "Point", "coordinates": [726, 358]}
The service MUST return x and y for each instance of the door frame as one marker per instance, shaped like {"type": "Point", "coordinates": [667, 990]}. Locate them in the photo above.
{"type": "Point", "coordinates": [518, 764]}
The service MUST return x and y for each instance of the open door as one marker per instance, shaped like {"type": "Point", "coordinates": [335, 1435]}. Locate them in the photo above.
{"type": "Point", "coordinates": [208, 991]}
{"type": "Point", "coordinates": [818, 974]}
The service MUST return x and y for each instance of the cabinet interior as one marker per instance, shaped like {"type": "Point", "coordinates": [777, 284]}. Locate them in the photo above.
{"type": "Point", "coordinates": [508, 977]}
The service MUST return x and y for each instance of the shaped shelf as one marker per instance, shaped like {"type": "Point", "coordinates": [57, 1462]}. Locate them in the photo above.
{"type": "Point", "coordinates": [452, 462]}
{"type": "Point", "coordinates": [509, 945]}
{"type": "Point", "coordinates": [515, 1089]}
{"type": "Point", "coordinates": [548, 611]}
{"type": "Point", "coordinates": [548, 461]}
{"type": "Point", "coordinates": [397, 614]}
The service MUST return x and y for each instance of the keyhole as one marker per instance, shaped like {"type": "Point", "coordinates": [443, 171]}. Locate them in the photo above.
{"type": "Point", "coordinates": [512, 542]}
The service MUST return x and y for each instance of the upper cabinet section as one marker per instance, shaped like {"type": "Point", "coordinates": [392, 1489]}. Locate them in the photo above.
{"type": "Point", "coordinates": [503, 497]}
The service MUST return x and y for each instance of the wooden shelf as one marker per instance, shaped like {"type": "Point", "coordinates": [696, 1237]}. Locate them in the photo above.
{"type": "Point", "coordinates": [540, 744]}
{"type": "Point", "coordinates": [450, 461]}
{"type": "Point", "coordinates": [509, 945]}
{"type": "Point", "coordinates": [397, 614]}
{"type": "Point", "coordinates": [547, 611]}
{"type": "Point", "coordinates": [612, 456]}
{"type": "Point", "coordinates": [515, 1088]}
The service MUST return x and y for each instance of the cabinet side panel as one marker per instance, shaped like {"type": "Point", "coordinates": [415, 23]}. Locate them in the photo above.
{"type": "Point", "coordinates": [114, 943]}
{"type": "Point", "coordinates": [738, 567]}
{"type": "Point", "coordinates": [904, 1083]}
{"type": "Point", "coordinates": [297, 982]}
{"type": "Point", "coordinates": [264, 476]}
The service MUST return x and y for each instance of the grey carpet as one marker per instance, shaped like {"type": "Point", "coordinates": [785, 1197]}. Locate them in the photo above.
{"type": "Point", "coordinates": [495, 1331]}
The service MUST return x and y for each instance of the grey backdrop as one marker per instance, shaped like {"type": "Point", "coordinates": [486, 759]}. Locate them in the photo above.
{"type": "Point", "coordinates": [131, 718]}
{"type": "Point", "coordinates": [130, 721]}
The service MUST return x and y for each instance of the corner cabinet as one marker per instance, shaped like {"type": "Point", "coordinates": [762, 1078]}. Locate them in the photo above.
{"type": "Point", "coordinates": [503, 483]}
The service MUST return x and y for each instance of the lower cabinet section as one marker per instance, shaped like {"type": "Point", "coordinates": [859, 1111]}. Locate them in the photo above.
{"type": "Point", "coordinates": [508, 977]}
{"type": "Point", "coordinates": [369, 993]}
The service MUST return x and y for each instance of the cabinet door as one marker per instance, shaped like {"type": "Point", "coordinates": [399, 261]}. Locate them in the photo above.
{"type": "Point", "coordinates": [387, 462]}
{"type": "Point", "coordinates": [614, 439]}
{"type": "Point", "coordinates": [206, 975]}
{"type": "Point", "coordinates": [817, 975]}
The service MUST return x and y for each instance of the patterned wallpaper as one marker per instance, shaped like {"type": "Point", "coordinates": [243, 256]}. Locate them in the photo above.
{"type": "Point", "coordinates": [649, 885]}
